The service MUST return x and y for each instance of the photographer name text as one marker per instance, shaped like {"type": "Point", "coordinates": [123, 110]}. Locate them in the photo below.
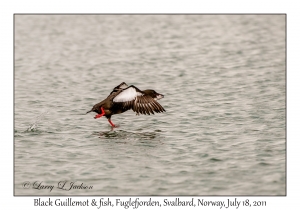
{"type": "Point", "coordinates": [61, 185]}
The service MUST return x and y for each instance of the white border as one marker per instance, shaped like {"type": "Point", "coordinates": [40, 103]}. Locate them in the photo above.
{"type": "Point", "coordinates": [8, 8]}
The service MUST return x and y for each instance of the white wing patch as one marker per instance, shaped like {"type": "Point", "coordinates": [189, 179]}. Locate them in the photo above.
{"type": "Point", "coordinates": [128, 94]}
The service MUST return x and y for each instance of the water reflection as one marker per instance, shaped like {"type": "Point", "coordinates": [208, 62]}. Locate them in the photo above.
{"type": "Point", "coordinates": [122, 134]}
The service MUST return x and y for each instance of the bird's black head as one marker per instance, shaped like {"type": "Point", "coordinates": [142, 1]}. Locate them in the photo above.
{"type": "Point", "coordinates": [154, 94]}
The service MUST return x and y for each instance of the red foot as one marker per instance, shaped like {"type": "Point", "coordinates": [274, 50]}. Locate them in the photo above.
{"type": "Point", "coordinates": [110, 122]}
{"type": "Point", "coordinates": [100, 115]}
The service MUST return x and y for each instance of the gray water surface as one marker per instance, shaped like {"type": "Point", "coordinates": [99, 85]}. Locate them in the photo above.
{"type": "Point", "coordinates": [223, 77]}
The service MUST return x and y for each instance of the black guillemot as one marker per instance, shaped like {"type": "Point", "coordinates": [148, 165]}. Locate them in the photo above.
{"type": "Point", "coordinates": [123, 98]}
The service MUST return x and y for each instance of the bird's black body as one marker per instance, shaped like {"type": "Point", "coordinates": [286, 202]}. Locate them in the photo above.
{"type": "Point", "coordinates": [124, 97]}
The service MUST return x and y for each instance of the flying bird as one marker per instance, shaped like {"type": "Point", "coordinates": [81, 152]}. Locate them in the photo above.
{"type": "Point", "coordinates": [123, 98]}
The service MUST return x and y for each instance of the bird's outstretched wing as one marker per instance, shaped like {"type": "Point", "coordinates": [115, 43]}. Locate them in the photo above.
{"type": "Point", "coordinates": [135, 99]}
{"type": "Point", "coordinates": [121, 86]}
